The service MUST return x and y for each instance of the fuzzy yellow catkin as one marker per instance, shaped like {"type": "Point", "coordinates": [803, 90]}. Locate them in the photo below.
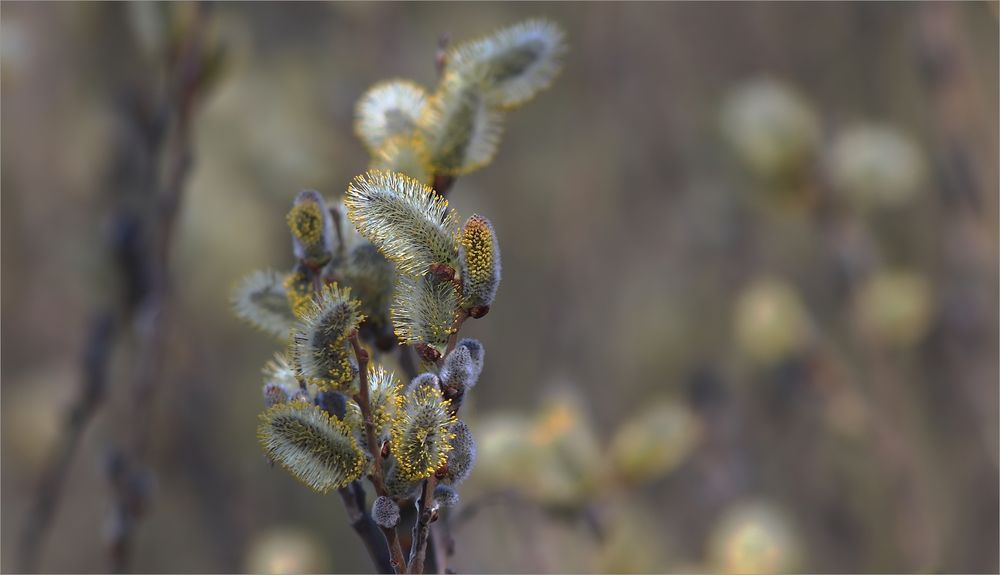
{"type": "Point", "coordinates": [772, 129]}
{"type": "Point", "coordinates": [404, 154]}
{"type": "Point", "coordinates": [771, 324]}
{"type": "Point", "coordinates": [513, 64]}
{"type": "Point", "coordinates": [655, 441]}
{"type": "Point", "coordinates": [387, 110]}
{"type": "Point", "coordinates": [317, 449]}
{"type": "Point", "coordinates": [424, 310]}
{"type": "Point", "coordinates": [305, 221]}
{"type": "Point", "coordinates": [754, 536]}
{"type": "Point", "coordinates": [408, 221]}
{"type": "Point", "coordinates": [260, 299]}
{"type": "Point", "coordinates": [279, 376]}
{"type": "Point", "coordinates": [421, 434]}
{"type": "Point", "coordinates": [876, 166]}
{"type": "Point", "coordinates": [894, 307]}
{"type": "Point", "coordinates": [320, 345]}
{"type": "Point", "coordinates": [460, 129]}
{"type": "Point", "coordinates": [299, 289]}
{"type": "Point", "coordinates": [480, 259]}
{"type": "Point", "coordinates": [383, 393]}
{"type": "Point", "coordinates": [312, 229]}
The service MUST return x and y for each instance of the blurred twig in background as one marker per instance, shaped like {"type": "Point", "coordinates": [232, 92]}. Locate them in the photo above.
{"type": "Point", "coordinates": [152, 162]}
{"type": "Point", "coordinates": [50, 485]}
{"type": "Point", "coordinates": [191, 66]}
{"type": "Point", "coordinates": [821, 350]}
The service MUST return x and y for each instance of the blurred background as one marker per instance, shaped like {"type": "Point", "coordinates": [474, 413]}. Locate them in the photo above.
{"type": "Point", "coordinates": [748, 321]}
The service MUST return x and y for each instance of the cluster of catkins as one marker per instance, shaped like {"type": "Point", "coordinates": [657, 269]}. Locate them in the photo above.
{"type": "Point", "coordinates": [456, 129]}
{"type": "Point", "coordinates": [390, 264]}
{"type": "Point", "coordinates": [313, 425]}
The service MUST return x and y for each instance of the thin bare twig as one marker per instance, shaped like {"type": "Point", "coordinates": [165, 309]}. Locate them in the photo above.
{"type": "Point", "coordinates": [50, 487]}
{"type": "Point", "coordinates": [129, 474]}
{"type": "Point", "coordinates": [453, 339]}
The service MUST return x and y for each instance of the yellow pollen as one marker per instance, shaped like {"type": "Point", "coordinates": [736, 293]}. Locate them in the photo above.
{"type": "Point", "coordinates": [306, 222]}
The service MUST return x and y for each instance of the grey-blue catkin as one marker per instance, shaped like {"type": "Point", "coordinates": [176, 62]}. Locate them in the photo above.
{"type": "Point", "coordinates": [385, 512]}
{"type": "Point", "coordinates": [462, 457]}
{"type": "Point", "coordinates": [398, 486]}
{"type": "Point", "coordinates": [423, 379]}
{"type": "Point", "coordinates": [332, 402]}
{"type": "Point", "coordinates": [478, 354]}
{"type": "Point", "coordinates": [446, 496]}
{"type": "Point", "coordinates": [459, 371]}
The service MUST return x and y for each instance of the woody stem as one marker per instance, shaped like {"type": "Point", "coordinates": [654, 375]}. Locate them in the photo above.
{"type": "Point", "coordinates": [391, 537]}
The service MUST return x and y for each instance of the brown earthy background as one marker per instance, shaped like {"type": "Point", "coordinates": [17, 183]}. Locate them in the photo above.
{"type": "Point", "coordinates": [803, 426]}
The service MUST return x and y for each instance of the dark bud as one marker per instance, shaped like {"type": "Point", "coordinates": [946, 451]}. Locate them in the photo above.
{"type": "Point", "coordinates": [427, 352]}
{"type": "Point", "coordinates": [442, 183]}
{"type": "Point", "coordinates": [441, 272]}
{"type": "Point", "coordinates": [386, 340]}
{"type": "Point", "coordinates": [385, 449]}
{"type": "Point", "coordinates": [332, 402]}
{"type": "Point", "coordinates": [454, 395]}
{"type": "Point", "coordinates": [479, 311]}
{"type": "Point", "coordinates": [441, 472]}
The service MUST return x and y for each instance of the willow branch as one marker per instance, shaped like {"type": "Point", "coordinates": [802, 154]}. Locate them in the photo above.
{"type": "Point", "coordinates": [391, 536]}
{"type": "Point", "coordinates": [128, 474]}
{"type": "Point", "coordinates": [426, 514]}
{"type": "Point", "coordinates": [361, 521]}
{"type": "Point", "coordinates": [453, 339]}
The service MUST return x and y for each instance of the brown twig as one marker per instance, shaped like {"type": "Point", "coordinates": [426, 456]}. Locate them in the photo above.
{"type": "Point", "coordinates": [129, 475]}
{"type": "Point", "coordinates": [361, 521]}
{"type": "Point", "coordinates": [426, 512]}
{"type": "Point", "coordinates": [50, 486]}
{"type": "Point", "coordinates": [443, 543]}
{"type": "Point", "coordinates": [442, 184]}
{"type": "Point", "coordinates": [453, 339]}
{"type": "Point", "coordinates": [425, 508]}
{"type": "Point", "coordinates": [391, 536]}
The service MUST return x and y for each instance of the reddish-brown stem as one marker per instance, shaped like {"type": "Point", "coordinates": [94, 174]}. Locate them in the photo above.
{"type": "Point", "coordinates": [453, 339]}
{"type": "Point", "coordinates": [376, 477]}
{"type": "Point", "coordinates": [425, 506]}
{"type": "Point", "coordinates": [443, 183]}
